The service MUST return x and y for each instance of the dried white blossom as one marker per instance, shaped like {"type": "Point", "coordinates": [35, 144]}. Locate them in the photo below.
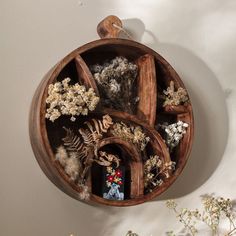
{"type": "Point", "coordinates": [73, 100]}
{"type": "Point", "coordinates": [174, 133]}
{"type": "Point", "coordinates": [173, 97]}
{"type": "Point", "coordinates": [133, 134]}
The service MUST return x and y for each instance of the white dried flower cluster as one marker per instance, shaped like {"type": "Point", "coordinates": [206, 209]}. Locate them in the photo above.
{"type": "Point", "coordinates": [175, 133]}
{"type": "Point", "coordinates": [155, 170]}
{"type": "Point", "coordinates": [69, 162]}
{"type": "Point", "coordinates": [215, 209]}
{"type": "Point", "coordinates": [115, 81]}
{"type": "Point", "coordinates": [133, 134]}
{"type": "Point", "coordinates": [65, 99]}
{"type": "Point", "coordinates": [173, 97]}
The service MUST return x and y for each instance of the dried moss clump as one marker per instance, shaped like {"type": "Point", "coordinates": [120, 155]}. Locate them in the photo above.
{"type": "Point", "coordinates": [65, 99]}
{"type": "Point", "coordinates": [133, 134]}
{"type": "Point", "coordinates": [217, 213]}
{"type": "Point", "coordinates": [79, 150]}
{"type": "Point", "coordinates": [115, 80]}
{"type": "Point", "coordinates": [173, 97]}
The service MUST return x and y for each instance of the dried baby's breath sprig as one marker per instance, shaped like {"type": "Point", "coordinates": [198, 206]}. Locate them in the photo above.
{"type": "Point", "coordinates": [115, 80]}
{"type": "Point", "coordinates": [174, 133]}
{"type": "Point", "coordinates": [173, 97]}
{"type": "Point", "coordinates": [184, 216]}
{"type": "Point", "coordinates": [154, 172]}
{"type": "Point", "coordinates": [73, 100]}
{"type": "Point", "coordinates": [61, 155]}
{"type": "Point", "coordinates": [214, 210]}
{"type": "Point", "coordinates": [132, 134]}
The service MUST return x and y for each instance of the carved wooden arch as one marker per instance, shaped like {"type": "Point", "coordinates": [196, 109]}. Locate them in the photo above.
{"type": "Point", "coordinates": [135, 163]}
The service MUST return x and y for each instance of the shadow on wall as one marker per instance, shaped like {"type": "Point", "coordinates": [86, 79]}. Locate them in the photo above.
{"type": "Point", "coordinates": [210, 111]}
{"type": "Point", "coordinates": [211, 133]}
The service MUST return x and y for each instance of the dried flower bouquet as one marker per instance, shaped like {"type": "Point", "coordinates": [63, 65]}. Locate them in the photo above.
{"type": "Point", "coordinates": [116, 80]}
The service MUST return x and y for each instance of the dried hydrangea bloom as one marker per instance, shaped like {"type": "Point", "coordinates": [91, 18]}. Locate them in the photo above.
{"type": "Point", "coordinates": [66, 99]}
{"type": "Point", "coordinates": [115, 80]}
{"type": "Point", "coordinates": [173, 97]}
{"type": "Point", "coordinates": [133, 134]}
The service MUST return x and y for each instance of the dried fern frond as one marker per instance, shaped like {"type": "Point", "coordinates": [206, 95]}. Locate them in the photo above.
{"type": "Point", "coordinates": [87, 136]}
{"type": "Point", "coordinates": [71, 141]}
{"type": "Point", "coordinates": [82, 148]}
{"type": "Point", "coordinates": [100, 126]}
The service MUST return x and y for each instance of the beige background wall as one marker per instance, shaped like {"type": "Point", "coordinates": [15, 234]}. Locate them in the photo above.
{"type": "Point", "coordinates": [196, 37]}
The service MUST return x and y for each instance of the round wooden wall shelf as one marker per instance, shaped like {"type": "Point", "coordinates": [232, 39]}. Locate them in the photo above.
{"type": "Point", "coordinates": [154, 77]}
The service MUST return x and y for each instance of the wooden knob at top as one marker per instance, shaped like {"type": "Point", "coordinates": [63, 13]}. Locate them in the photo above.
{"type": "Point", "coordinates": [109, 27]}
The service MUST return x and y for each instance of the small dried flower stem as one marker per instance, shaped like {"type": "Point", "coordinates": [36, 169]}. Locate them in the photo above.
{"type": "Point", "coordinates": [214, 210]}
{"type": "Point", "coordinates": [182, 220]}
{"type": "Point", "coordinates": [231, 232]}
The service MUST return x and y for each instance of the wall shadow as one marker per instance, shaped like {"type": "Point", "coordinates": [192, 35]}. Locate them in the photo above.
{"type": "Point", "coordinates": [209, 106]}
{"type": "Point", "coordinates": [211, 134]}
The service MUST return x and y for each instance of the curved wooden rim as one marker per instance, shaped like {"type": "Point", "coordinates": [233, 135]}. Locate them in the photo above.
{"type": "Point", "coordinates": [44, 137]}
